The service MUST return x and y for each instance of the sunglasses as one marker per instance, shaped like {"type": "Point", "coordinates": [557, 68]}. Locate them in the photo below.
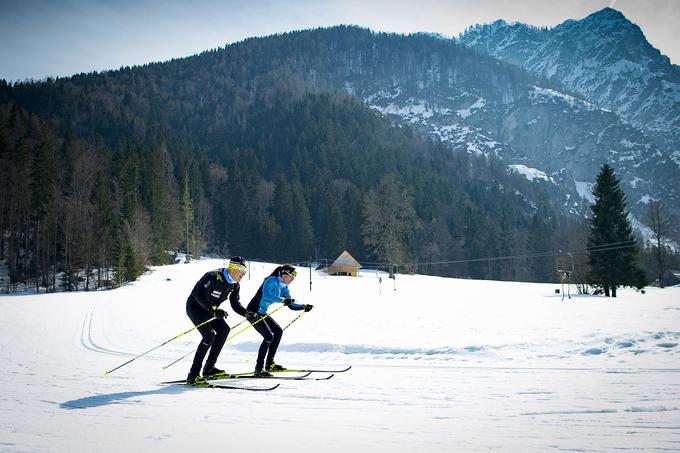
{"type": "Point", "coordinates": [242, 269]}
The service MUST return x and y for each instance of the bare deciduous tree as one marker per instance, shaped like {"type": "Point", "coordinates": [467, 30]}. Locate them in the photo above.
{"type": "Point", "coordinates": [659, 222]}
{"type": "Point", "coordinates": [389, 221]}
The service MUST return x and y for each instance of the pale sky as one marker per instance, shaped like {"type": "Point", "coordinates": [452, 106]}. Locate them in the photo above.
{"type": "Point", "coordinates": [40, 38]}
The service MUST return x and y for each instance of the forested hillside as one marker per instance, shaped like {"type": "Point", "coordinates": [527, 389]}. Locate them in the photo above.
{"type": "Point", "coordinates": [248, 150]}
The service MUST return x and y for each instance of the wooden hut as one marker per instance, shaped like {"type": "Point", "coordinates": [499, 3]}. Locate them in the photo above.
{"type": "Point", "coordinates": [345, 264]}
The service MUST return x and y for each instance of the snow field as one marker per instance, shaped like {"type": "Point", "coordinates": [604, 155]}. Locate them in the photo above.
{"type": "Point", "coordinates": [438, 365]}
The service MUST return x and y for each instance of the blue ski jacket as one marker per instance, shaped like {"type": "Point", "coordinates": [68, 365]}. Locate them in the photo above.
{"type": "Point", "coordinates": [272, 291]}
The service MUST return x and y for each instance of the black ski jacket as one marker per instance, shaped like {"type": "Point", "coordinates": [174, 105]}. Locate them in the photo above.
{"type": "Point", "coordinates": [213, 289]}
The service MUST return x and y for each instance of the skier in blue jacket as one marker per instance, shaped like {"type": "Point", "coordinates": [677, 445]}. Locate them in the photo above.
{"type": "Point", "coordinates": [273, 290]}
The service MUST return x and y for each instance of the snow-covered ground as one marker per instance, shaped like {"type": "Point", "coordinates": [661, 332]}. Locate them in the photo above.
{"type": "Point", "coordinates": [438, 365]}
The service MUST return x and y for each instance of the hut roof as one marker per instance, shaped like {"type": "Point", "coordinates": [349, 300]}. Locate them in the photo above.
{"type": "Point", "coordinates": [346, 260]}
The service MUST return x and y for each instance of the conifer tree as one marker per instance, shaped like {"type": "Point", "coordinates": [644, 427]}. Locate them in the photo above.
{"type": "Point", "coordinates": [541, 234]}
{"type": "Point", "coordinates": [508, 268]}
{"type": "Point", "coordinates": [43, 204]}
{"type": "Point", "coordinates": [106, 226]}
{"type": "Point", "coordinates": [329, 223]}
{"type": "Point", "coordinates": [472, 242]}
{"type": "Point", "coordinates": [613, 254]}
{"type": "Point", "coordinates": [333, 236]}
{"type": "Point", "coordinates": [283, 211]}
{"type": "Point", "coordinates": [292, 215]}
{"type": "Point", "coordinates": [158, 205]}
{"type": "Point", "coordinates": [301, 223]}
{"type": "Point", "coordinates": [188, 209]}
{"type": "Point", "coordinates": [129, 255]}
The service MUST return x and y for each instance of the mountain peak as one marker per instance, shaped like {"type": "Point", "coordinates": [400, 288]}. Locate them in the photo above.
{"type": "Point", "coordinates": [604, 58]}
{"type": "Point", "coordinates": [608, 15]}
{"type": "Point", "coordinates": [609, 12]}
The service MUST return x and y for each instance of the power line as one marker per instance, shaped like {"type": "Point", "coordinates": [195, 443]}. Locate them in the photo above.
{"type": "Point", "coordinates": [595, 248]}
{"type": "Point", "coordinates": [598, 248]}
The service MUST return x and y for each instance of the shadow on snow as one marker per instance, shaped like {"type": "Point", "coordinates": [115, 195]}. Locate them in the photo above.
{"type": "Point", "coordinates": [120, 397]}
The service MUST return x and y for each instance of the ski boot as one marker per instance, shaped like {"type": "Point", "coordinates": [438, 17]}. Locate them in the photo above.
{"type": "Point", "coordinates": [210, 372]}
{"type": "Point", "coordinates": [196, 380]}
{"type": "Point", "coordinates": [275, 367]}
{"type": "Point", "coordinates": [262, 374]}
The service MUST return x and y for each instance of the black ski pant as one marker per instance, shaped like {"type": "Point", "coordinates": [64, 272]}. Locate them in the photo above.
{"type": "Point", "coordinates": [214, 335]}
{"type": "Point", "coordinates": [271, 333]}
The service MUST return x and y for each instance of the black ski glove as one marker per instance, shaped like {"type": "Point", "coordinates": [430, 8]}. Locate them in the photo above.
{"type": "Point", "coordinates": [308, 307]}
{"type": "Point", "coordinates": [287, 301]}
{"type": "Point", "coordinates": [252, 316]}
{"type": "Point", "coordinates": [219, 313]}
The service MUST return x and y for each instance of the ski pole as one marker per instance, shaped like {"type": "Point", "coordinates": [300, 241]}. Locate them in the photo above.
{"type": "Point", "coordinates": [259, 320]}
{"type": "Point", "coordinates": [192, 351]}
{"type": "Point", "coordinates": [183, 357]}
{"type": "Point", "coordinates": [106, 373]}
{"type": "Point", "coordinates": [295, 319]}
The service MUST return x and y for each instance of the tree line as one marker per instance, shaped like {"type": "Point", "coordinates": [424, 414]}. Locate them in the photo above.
{"type": "Point", "coordinates": [97, 216]}
{"type": "Point", "coordinates": [251, 150]}
{"type": "Point", "coordinates": [77, 215]}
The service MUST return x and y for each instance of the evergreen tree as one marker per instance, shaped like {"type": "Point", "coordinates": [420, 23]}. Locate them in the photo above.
{"type": "Point", "coordinates": [188, 209]}
{"type": "Point", "coordinates": [283, 211]}
{"type": "Point", "coordinates": [43, 204]}
{"type": "Point", "coordinates": [218, 203]}
{"type": "Point", "coordinates": [330, 227]}
{"type": "Point", "coordinates": [613, 253]}
{"type": "Point", "coordinates": [473, 243]}
{"type": "Point", "coordinates": [292, 215]}
{"type": "Point", "coordinates": [158, 203]}
{"type": "Point", "coordinates": [234, 222]}
{"type": "Point", "coordinates": [106, 226]}
{"type": "Point", "coordinates": [132, 248]}
{"type": "Point", "coordinates": [541, 236]}
{"type": "Point", "coordinates": [507, 267]}
{"type": "Point", "coordinates": [352, 205]}
{"type": "Point", "coordinates": [303, 233]}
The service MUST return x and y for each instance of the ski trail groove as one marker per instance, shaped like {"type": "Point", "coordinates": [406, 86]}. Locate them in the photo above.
{"type": "Point", "coordinates": [88, 343]}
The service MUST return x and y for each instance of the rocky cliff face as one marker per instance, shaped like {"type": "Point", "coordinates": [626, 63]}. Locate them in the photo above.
{"type": "Point", "coordinates": [604, 59]}
{"type": "Point", "coordinates": [484, 107]}
{"type": "Point", "coordinates": [565, 137]}
{"type": "Point", "coordinates": [557, 132]}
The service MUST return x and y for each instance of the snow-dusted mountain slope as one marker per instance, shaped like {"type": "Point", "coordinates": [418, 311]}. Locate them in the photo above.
{"type": "Point", "coordinates": [438, 365]}
{"type": "Point", "coordinates": [555, 131]}
{"type": "Point", "coordinates": [483, 106]}
{"type": "Point", "coordinates": [566, 137]}
{"type": "Point", "coordinates": [605, 59]}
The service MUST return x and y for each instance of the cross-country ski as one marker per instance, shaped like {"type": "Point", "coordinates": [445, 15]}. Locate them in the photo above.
{"type": "Point", "coordinates": [208, 385]}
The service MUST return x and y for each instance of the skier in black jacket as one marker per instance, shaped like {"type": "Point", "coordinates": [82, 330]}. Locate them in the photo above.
{"type": "Point", "coordinates": [203, 304]}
